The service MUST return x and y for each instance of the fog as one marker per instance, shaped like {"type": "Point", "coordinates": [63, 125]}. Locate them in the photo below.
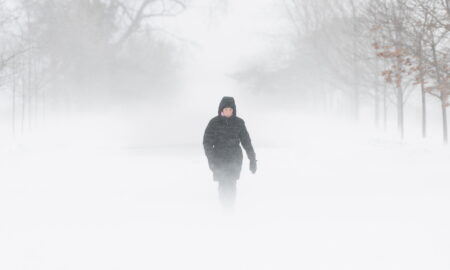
{"type": "Point", "coordinates": [104, 109]}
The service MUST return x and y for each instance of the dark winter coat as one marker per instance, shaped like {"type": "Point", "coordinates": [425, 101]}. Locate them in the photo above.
{"type": "Point", "coordinates": [221, 143]}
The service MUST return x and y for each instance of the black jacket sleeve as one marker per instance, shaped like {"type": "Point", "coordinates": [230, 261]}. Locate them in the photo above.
{"type": "Point", "coordinates": [209, 140]}
{"type": "Point", "coordinates": [247, 142]}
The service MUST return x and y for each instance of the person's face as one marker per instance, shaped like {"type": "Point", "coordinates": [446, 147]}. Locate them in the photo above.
{"type": "Point", "coordinates": [227, 112]}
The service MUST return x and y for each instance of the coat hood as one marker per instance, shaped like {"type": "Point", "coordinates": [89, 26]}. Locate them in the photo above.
{"type": "Point", "coordinates": [227, 102]}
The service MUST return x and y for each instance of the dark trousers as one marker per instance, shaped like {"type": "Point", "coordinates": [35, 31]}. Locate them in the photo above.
{"type": "Point", "coordinates": [227, 192]}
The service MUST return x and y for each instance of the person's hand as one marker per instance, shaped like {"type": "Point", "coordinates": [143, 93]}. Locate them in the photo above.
{"type": "Point", "coordinates": [253, 166]}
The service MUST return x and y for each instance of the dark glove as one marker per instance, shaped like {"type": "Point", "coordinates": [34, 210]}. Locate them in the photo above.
{"type": "Point", "coordinates": [253, 166]}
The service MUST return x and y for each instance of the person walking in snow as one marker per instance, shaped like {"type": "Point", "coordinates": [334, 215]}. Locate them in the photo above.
{"type": "Point", "coordinates": [221, 141]}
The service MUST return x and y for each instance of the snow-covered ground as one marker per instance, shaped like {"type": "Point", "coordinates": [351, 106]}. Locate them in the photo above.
{"type": "Point", "coordinates": [133, 190]}
{"type": "Point", "coordinates": [317, 201]}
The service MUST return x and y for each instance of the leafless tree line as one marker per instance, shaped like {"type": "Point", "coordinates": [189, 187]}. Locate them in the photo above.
{"type": "Point", "coordinates": [53, 51]}
{"type": "Point", "coordinates": [381, 49]}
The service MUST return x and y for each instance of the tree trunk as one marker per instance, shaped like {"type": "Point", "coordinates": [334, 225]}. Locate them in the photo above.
{"type": "Point", "coordinates": [444, 120]}
{"type": "Point", "coordinates": [400, 122]}
{"type": "Point", "coordinates": [443, 96]}
{"type": "Point", "coordinates": [355, 94]}
{"type": "Point", "coordinates": [356, 102]}
{"type": "Point", "coordinates": [424, 109]}
{"type": "Point", "coordinates": [30, 94]}
{"type": "Point", "coordinates": [385, 107]}
{"type": "Point", "coordinates": [422, 88]}
{"type": "Point", "coordinates": [22, 124]}
{"type": "Point", "coordinates": [377, 106]}
{"type": "Point", "coordinates": [377, 95]}
{"type": "Point", "coordinates": [13, 120]}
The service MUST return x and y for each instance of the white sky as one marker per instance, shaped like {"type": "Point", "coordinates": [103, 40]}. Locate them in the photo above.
{"type": "Point", "coordinates": [224, 43]}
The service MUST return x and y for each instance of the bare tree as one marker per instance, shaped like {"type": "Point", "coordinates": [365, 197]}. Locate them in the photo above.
{"type": "Point", "coordinates": [417, 27]}
{"type": "Point", "coordinates": [134, 16]}
{"type": "Point", "coordinates": [391, 44]}
{"type": "Point", "coordinates": [64, 49]}
{"type": "Point", "coordinates": [437, 43]}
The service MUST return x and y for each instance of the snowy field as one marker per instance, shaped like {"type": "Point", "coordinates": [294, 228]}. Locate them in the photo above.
{"type": "Point", "coordinates": [109, 104]}
{"type": "Point", "coordinates": [316, 202]}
